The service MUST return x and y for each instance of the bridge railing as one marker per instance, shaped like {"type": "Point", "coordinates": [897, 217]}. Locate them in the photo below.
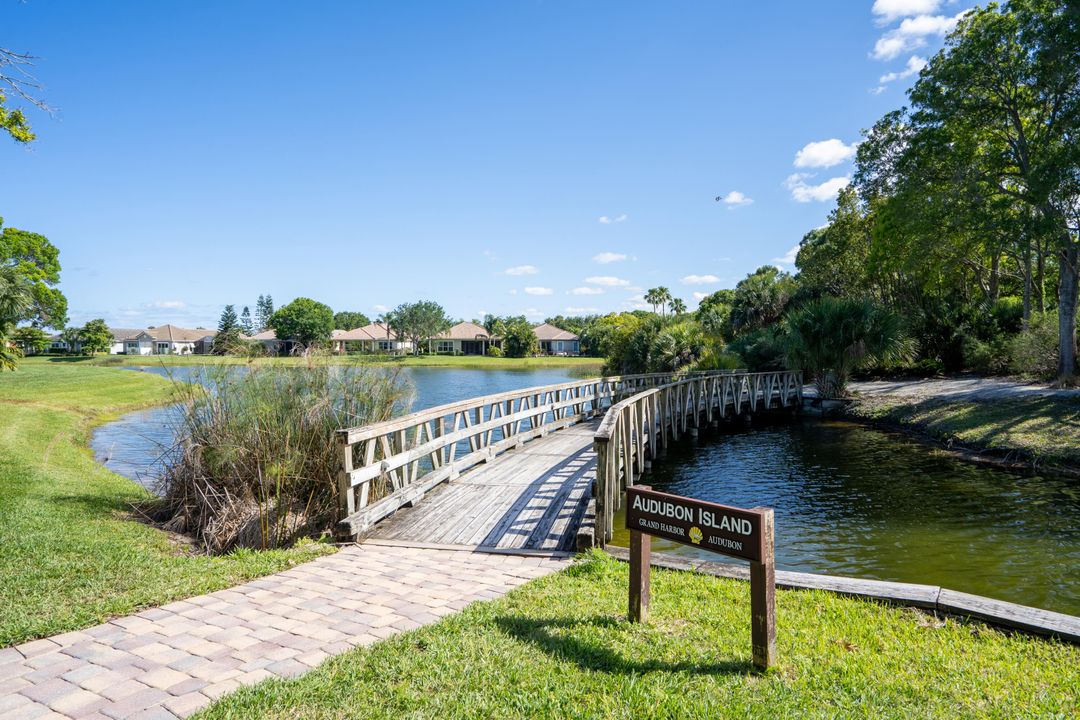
{"type": "Point", "coordinates": [635, 429]}
{"type": "Point", "coordinates": [391, 464]}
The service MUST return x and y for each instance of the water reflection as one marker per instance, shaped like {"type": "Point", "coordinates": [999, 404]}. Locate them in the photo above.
{"type": "Point", "coordinates": [860, 502]}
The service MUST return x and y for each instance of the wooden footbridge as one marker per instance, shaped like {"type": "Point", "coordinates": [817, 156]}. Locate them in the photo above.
{"type": "Point", "coordinates": [537, 469]}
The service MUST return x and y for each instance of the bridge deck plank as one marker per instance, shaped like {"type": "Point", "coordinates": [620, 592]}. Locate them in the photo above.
{"type": "Point", "coordinates": [531, 498]}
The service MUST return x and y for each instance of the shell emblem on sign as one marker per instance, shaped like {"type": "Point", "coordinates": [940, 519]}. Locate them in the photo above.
{"type": "Point", "coordinates": [695, 535]}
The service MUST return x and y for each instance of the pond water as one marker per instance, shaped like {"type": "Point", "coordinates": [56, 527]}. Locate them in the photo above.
{"type": "Point", "coordinates": [134, 445]}
{"type": "Point", "coordinates": [849, 500]}
{"type": "Point", "coordinates": [854, 501]}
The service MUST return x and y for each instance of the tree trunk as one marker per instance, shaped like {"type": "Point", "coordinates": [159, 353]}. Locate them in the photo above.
{"type": "Point", "coordinates": [995, 277]}
{"type": "Point", "coordinates": [1068, 284]}
{"type": "Point", "coordinates": [1040, 277]}
{"type": "Point", "coordinates": [1027, 285]}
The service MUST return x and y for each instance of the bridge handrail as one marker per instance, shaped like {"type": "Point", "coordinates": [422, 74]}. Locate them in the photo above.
{"type": "Point", "coordinates": [635, 429]}
{"type": "Point", "coordinates": [363, 432]}
{"type": "Point", "coordinates": [390, 464]}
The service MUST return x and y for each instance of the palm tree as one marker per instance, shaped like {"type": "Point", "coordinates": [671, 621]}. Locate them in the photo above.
{"type": "Point", "coordinates": [16, 297]}
{"type": "Point", "coordinates": [664, 297]}
{"type": "Point", "coordinates": [678, 306]}
{"type": "Point", "coordinates": [832, 337]}
{"type": "Point", "coordinates": [653, 297]}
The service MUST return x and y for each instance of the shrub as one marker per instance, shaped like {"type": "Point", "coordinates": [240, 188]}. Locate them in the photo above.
{"type": "Point", "coordinates": [1034, 352]}
{"type": "Point", "coordinates": [987, 357]}
{"type": "Point", "coordinates": [831, 337]}
{"type": "Point", "coordinates": [494, 351]}
{"type": "Point", "coordinates": [761, 350]}
{"type": "Point", "coordinates": [716, 358]}
{"type": "Point", "coordinates": [256, 462]}
{"type": "Point", "coordinates": [676, 347]}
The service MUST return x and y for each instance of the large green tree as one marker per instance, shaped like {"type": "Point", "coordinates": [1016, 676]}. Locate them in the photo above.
{"type": "Point", "coordinates": [246, 325]}
{"type": "Point", "coordinates": [833, 260]}
{"type": "Point", "coordinates": [37, 260]}
{"type": "Point", "coordinates": [519, 340]}
{"type": "Point", "coordinates": [304, 321]}
{"type": "Point", "coordinates": [988, 152]}
{"type": "Point", "coordinates": [228, 331]}
{"type": "Point", "coordinates": [350, 320]}
{"type": "Point", "coordinates": [30, 339]}
{"type": "Point", "coordinates": [96, 337]}
{"type": "Point", "coordinates": [714, 312]}
{"type": "Point", "coordinates": [264, 309]}
{"type": "Point", "coordinates": [760, 298]}
{"type": "Point", "coordinates": [418, 322]}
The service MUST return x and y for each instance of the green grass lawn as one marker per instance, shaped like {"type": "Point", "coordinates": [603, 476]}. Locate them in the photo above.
{"type": "Point", "coordinates": [479, 362]}
{"type": "Point", "coordinates": [71, 555]}
{"type": "Point", "coordinates": [561, 647]}
{"type": "Point", "coordinates": [1044, 430]}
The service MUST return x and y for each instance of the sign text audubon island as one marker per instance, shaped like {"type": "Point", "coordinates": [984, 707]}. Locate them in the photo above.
{"type": "Point", "coordinates": [737, 532]}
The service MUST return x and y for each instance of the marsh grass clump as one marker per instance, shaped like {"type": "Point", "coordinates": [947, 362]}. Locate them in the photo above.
{"type": "Point", "coordinates": [256, 460]}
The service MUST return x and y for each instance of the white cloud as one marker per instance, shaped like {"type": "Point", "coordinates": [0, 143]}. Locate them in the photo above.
{"type": "Point", "coordinates": [889, 10]}
{"type": "Point", "coordinates": [700, 279]}
{"type": "Point", "coordinates": [538, 291]}
{"type": "Point", "coordinates": [533, 313]}
{"type": "Point", "coordinates": [607, 281]}
{"type": "Point", "coordinates": [914, 65]}
{"type": "Point", "coordinates": [802, 192]}
{"type": "Point", "coordinates": [581, 310]}
{"type": "Point", "coordinates": [824, 153]}
{"type": "Point", "coordinates": [699, 296]}
{"type": "Point", "coordinates": [380, 308]}
{"type": "Point", "coordinates": [912, 33]}
{"type": "Point", "coordinates": [521, 270]}
{"type": "Point", "coordinates": [890, 46]}
{"type": "Point", "coordinates": [788, 258]}
{"type": "Point", "coordinates": [168, 304]}
{"type": "Point", "coordinates": [877, 90]}
{"type": "Point", "coordinates": [735, 199]}
{"type": "Point", "coordinates": [605, 220]}
{"type": "Point", "coordinates": [923, 25]}
{"type": "Point", "coordinates": [586, 291]}
{"type": "Point", "coordinates": [608, 257]}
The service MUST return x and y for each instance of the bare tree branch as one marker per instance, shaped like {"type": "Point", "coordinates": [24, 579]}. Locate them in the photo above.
{"type": "Point", "coordinates": [15, 75]}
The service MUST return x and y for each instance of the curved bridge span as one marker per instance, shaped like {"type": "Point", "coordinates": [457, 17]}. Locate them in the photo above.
{"type": "Point", "coordinates": [540, 469]}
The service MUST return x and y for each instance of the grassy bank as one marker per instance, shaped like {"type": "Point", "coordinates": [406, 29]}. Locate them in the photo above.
{"type": "Point", "coordinates": [1039, 431]}
{"type": "Point", "coordinates": [560, 647]}
{"type": "Point", "coordinates": [472, 362]}
{"type": "Point", "coordinates": [73, 556]}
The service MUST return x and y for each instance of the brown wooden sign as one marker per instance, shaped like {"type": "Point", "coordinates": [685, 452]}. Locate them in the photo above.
{"type": "Point", "coordinates": [717, 528]}
{"type": "Point", "coordinates": [721, 529]}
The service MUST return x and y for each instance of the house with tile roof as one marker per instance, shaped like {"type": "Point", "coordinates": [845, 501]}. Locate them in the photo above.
{"type": "Point", "coordinates": [160, 340]}
{"type": "Point", "coordinates": [556, 341]}
{"type": "Point", "coordinates": [374, 337]}
{"type": "Point", "coordinates": [465, 338]}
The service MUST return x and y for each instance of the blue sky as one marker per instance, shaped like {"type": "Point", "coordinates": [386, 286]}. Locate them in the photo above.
{"type": "Point", "coordinates": [505, 157]}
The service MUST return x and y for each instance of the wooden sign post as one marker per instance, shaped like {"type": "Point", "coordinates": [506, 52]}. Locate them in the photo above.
{"type": "Point", "coordinates": [717, 528]}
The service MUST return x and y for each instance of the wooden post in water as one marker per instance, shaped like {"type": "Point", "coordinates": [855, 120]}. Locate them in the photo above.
{"type": "Point", "coordinates": [763, 597]}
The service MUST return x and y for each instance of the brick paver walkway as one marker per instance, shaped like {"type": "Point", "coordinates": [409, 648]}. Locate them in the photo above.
{"type": "Point", "coordinates": [170, 661]}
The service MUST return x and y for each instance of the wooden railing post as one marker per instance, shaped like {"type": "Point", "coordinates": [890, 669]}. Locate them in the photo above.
{"type": "Point", "coordinates": [346, 496]}
{"type": "Point", "coordinates": [600, 492]}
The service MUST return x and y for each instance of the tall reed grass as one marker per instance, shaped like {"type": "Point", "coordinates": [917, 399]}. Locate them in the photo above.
{"type": "Point", "coordinates": [256, 459]}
